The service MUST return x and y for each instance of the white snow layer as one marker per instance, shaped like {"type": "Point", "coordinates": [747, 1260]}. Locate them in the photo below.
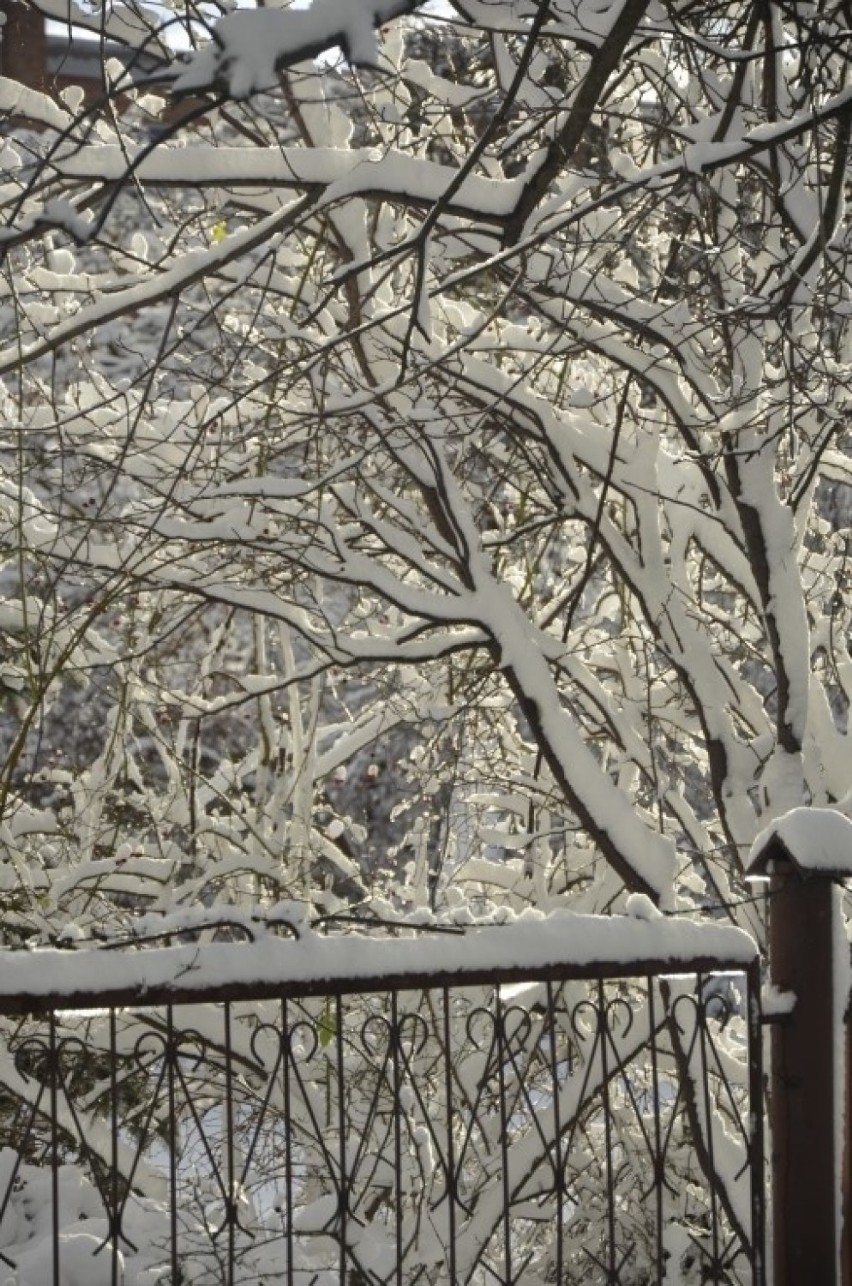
{"type": "Point", "coordinates": [531, 944]}
{"type": "Point", "coordinates": [249, 45]}
{"type": "Point", "coordinates": [817, 839]}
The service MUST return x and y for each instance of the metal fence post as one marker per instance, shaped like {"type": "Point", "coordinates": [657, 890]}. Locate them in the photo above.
{"type": "Point", "coordinates": [802, 1105]}
{"type": "Point", "coordinates": [803, 854]}
{"type": "Point", "coordinates": [846, 1231]}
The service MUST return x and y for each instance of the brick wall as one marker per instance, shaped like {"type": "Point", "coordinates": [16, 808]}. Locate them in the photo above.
{"type": "Point", "coordinates": [23, 44]}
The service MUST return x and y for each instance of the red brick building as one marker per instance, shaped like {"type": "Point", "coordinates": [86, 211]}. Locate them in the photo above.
{"type": "Point", "coordinates": [52, 60]}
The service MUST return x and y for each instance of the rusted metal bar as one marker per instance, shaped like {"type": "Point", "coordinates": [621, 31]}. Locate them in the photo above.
{"type": "Point", "coordinates": [846, 1179]}
{"type": "Point", "coordinates": [802, 1089]}
{"type": "Point", "coordinates": [756, 1150]}
{"type": "Point", "coordinates": [576, 946]}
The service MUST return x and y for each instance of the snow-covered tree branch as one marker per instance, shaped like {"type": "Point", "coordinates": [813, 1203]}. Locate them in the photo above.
{"type": "Point", "coordinates": [468, 415]}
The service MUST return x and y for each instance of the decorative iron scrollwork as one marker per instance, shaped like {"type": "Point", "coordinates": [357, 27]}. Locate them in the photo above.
{"type": "Point", "coordinates": [433, 1136]}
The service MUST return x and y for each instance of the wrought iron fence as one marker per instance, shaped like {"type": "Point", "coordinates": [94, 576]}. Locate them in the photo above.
{"type": "Point", "coordinates": [550, 1129]}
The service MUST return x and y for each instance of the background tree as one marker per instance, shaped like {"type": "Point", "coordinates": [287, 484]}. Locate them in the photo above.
{"type": "Point", "coordinates": [327, 427]}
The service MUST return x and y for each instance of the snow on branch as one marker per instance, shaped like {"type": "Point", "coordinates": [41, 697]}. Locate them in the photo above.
{"type": "Point", "coordinates": [250, 46]}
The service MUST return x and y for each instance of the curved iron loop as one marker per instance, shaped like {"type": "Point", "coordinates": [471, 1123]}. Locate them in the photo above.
{"type": "Point", "coordinates": [693, 1007]}
{"type": "Point", "coordinates": [267, 1032]}
{"type": "Point", "coordinates": [583, 1007]}
{"type": "Point", "coordinates": [182, 1043]}
{"type": "Point", "coordinates": [298, 1032]}
{"type": "Point", "coordinates": [411, 1036]}
{"type": "Point", "coordinates": [480, 1014]}
{"type": "Point", "coordinates": [612, 1008]}
{"type": "Point", "coordinates": [376, 1034]}
{"type": "Point", "coordinates": [515, 1036]}
{"type": "Point", "coordinates": [37, 1049]}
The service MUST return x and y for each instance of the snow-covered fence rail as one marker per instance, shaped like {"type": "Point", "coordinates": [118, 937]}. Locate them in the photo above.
{"type": "Point", "coordinates": [575, 1099]}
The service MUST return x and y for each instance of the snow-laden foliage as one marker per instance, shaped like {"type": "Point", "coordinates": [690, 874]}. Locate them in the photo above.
{"type": "Point", "coordinates": [456, 422]}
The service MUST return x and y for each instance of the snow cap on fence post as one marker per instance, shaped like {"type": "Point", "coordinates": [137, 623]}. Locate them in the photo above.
{"type": "Point", "coordinates": [815, 841]}
{"type": "Point", "coordinates": [803, 854]}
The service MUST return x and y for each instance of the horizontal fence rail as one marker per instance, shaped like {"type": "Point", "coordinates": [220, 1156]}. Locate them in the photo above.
{"type": "Point", "coordinates": [556, 1129]}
